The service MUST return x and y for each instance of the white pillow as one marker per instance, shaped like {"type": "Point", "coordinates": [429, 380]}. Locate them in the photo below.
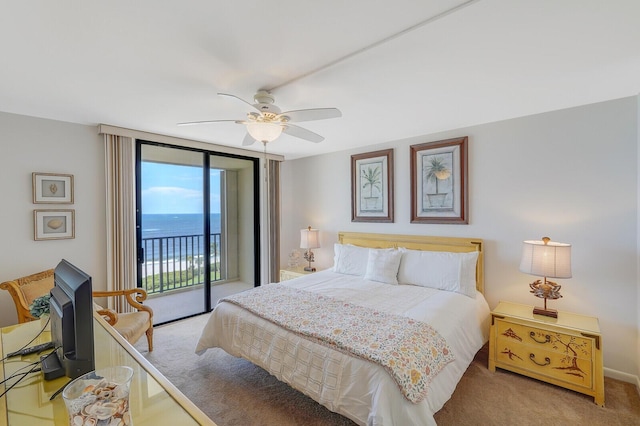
{"type": "Point", "coordinates": [349, 259]}
{"type": "Point", "coordinates": [440, 270]}
{"type": "Point", "coordinates": [382, 265]}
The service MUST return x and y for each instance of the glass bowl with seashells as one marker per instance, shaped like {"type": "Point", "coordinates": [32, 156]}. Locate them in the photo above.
{"type": "Point", "coordinates": [100, 397]}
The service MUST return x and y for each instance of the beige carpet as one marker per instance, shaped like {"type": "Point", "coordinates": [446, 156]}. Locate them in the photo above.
{"type": "Point", "coordinates": [232, 391]}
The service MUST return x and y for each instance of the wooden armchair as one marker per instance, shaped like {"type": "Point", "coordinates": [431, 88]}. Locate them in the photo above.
{"type": "Point", "coordinates": [131, 325]}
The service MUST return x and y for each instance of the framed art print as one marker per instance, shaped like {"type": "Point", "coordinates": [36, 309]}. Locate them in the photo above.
{"type": "Point", "coordinates": [52, 188]}
{"type": "Point", "coordinates": [372, 186]}
{"type": "Point", "coordinates": [53, 224]}
{"type": "Point", "coordinates": [439, 182]}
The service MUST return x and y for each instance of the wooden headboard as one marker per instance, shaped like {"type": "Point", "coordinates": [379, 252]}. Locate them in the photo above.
{"type": "Point", "coordinates": [420, 242]}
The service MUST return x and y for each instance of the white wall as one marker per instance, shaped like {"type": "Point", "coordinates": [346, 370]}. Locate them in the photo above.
{"type": "Point", "coordinates": [37, 145]}
{"type": "Point", "coordinates": [570, 175]}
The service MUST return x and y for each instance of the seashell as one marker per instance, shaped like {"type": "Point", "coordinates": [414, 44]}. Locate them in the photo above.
{"type": "Point", "coordinates": [77, 420]}
{"type": "Point", "coordinates": [104, 394]}
{"type": "Point", "coordinates": [122, 408]}
{"type": "Point", "coordinates": [55, 223]}
{"type": "Point", "coordinates": [86, 411]}
{"type": "Point", "coordinates": [105, 411]}
{"type": "Point", "coordinates": [91, 421]}
{"type": "Point", "coordinates": [127, 418]}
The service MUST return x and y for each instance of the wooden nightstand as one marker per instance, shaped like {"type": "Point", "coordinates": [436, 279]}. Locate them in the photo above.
{"type": "Point", "coordinates": [291, 273]}
{"type": "Point", "coordinates": [565, 351]}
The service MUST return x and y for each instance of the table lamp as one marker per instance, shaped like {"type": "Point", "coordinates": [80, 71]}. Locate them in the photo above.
{"type": "Point", "coordinates": [309, 240]}
{"type": "Point", "coordinates": [546, 259]}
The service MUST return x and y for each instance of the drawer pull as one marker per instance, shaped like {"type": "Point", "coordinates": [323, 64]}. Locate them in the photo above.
{"type": "Point", "coordinates": [547, 338]}
{"type": "Point", "coordinates": [547, 360]}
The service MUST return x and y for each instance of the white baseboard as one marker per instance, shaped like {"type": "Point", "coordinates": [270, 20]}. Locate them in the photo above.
{"type": "Point", "coordinates": [624, 377]}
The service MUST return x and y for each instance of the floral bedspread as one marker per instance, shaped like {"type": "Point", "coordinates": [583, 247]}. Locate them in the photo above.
{"type": "Point", "coordinates": [413, 352]}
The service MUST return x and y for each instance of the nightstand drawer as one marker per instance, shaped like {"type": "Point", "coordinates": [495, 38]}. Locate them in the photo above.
{"type": "Point", "coordinates": [550, 363]}
{"type": "Point", "coordinates": [566, 344]}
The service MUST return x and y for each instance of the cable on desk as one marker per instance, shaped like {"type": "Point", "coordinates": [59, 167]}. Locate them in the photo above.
{"type": "Point", "coordinates": [56, 393]}
{"type": "Point", "coordinates": [35, 366]}
{"type": "Point", "coordinates": [33, 370]}
{"type": "Point", "coordinates": [18, 372]}
{"type": "Point", "coordinates": [34, 338]}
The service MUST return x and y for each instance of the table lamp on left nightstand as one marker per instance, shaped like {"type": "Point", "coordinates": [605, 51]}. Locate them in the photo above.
{"type": "Point", "coordinates": [309, 239]}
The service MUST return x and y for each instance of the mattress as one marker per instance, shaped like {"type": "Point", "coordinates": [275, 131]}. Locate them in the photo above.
{"type": "Point", "coordinates": [354, 387]}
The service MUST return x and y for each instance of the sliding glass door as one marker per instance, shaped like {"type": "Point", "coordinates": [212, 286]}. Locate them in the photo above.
{"type": "Point", "coordinates": [196, 228]}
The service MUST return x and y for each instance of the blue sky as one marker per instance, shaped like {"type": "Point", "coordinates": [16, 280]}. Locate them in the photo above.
{"type": "Point", "coordinates": [171, 189]}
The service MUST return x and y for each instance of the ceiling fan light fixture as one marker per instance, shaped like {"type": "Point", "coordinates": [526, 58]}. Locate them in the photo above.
{"type": "Point", "coordinates": [266, 122]}
{"type": "Point", "coordinates": [264, 132]}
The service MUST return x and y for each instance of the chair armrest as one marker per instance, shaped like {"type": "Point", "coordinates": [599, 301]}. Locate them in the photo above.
{"type": "Point", "coordinates": [14, 289]}
{"type": "Point", "coordinates": [140, 295]}
{"type": "Point", "coordinates": [109, 316]}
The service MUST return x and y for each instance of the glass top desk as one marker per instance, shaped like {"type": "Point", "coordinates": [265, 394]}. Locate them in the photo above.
{"type": "Point", "coordinates": [153, 399]}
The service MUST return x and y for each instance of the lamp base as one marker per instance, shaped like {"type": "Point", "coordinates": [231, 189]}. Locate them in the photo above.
{"type": "Point", "coordinates": [309, 269]}
{"type": "Point", "coordinates": [546, 312]}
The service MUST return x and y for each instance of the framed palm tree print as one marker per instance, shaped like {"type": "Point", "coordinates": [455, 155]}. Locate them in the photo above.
{"type": "Point", "coordinates": [439, 182]}
{"type": "Point", "coordinates": [372, 186]}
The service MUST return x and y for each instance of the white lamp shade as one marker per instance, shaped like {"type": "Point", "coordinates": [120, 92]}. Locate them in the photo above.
{"type": "Point", "coordinates": [309, 238]}
{"type": "Point", "coordinates": [264, 132]}
{"type": "Point", "coordinates": [551, 260]}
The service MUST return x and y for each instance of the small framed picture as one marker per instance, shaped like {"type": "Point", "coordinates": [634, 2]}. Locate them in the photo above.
{"type": "Point", "coordinates": [372, 186]}
{"type": "Point", "coordinates": [52, 188]}
{"type": "Point", "coordinates": [439, 182]}
{"type": "Point", "coordinates": [53, 224]}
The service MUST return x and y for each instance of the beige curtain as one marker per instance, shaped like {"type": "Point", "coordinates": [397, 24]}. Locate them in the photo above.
{"type": "Point", "coordinates": [273, 223]}
{"type": "Point", "coordinates": [121, 217]}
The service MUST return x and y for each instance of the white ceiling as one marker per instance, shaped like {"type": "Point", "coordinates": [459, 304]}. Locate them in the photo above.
{"type": "Point", "coordinates": [396, 69]}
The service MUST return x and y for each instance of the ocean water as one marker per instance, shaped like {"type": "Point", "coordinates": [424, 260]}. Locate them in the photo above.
{"type": "Point", "coordinates": [175, 225]}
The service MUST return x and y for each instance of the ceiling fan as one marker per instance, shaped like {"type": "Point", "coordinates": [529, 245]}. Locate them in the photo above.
{"type": "Point", "coordinates": [266, 122]}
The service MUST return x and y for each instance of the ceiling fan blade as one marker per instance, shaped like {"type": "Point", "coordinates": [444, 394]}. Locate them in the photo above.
{"type": "Point", "coordinates": [312, 114]}
{"type": "Point", "coordinates": [302, 133]}
{"type": "Point", "coordinates": [240, 99]}
{"type": "Point", "coordinates": [248, 140]}
{"type": "Point", "coordinates": [190, 123]}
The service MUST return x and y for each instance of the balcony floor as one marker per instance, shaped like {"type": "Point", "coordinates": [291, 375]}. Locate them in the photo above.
{"type": "Point", "coordinates": [184, 303]}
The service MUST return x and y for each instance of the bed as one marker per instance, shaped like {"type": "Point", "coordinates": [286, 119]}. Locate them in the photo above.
{"type": "Point", "coordinates": [402, 281]}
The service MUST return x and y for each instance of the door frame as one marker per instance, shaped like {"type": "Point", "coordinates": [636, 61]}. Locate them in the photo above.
{"type": "Point", "coordinates": [206, 211]}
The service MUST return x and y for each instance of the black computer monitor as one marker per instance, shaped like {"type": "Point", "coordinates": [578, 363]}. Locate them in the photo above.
{"type": "Point", "coordinates": [71, 313]}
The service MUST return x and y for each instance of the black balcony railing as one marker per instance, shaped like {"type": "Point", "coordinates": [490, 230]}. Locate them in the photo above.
{"type": "Point", "coordinates": [173, 263]}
